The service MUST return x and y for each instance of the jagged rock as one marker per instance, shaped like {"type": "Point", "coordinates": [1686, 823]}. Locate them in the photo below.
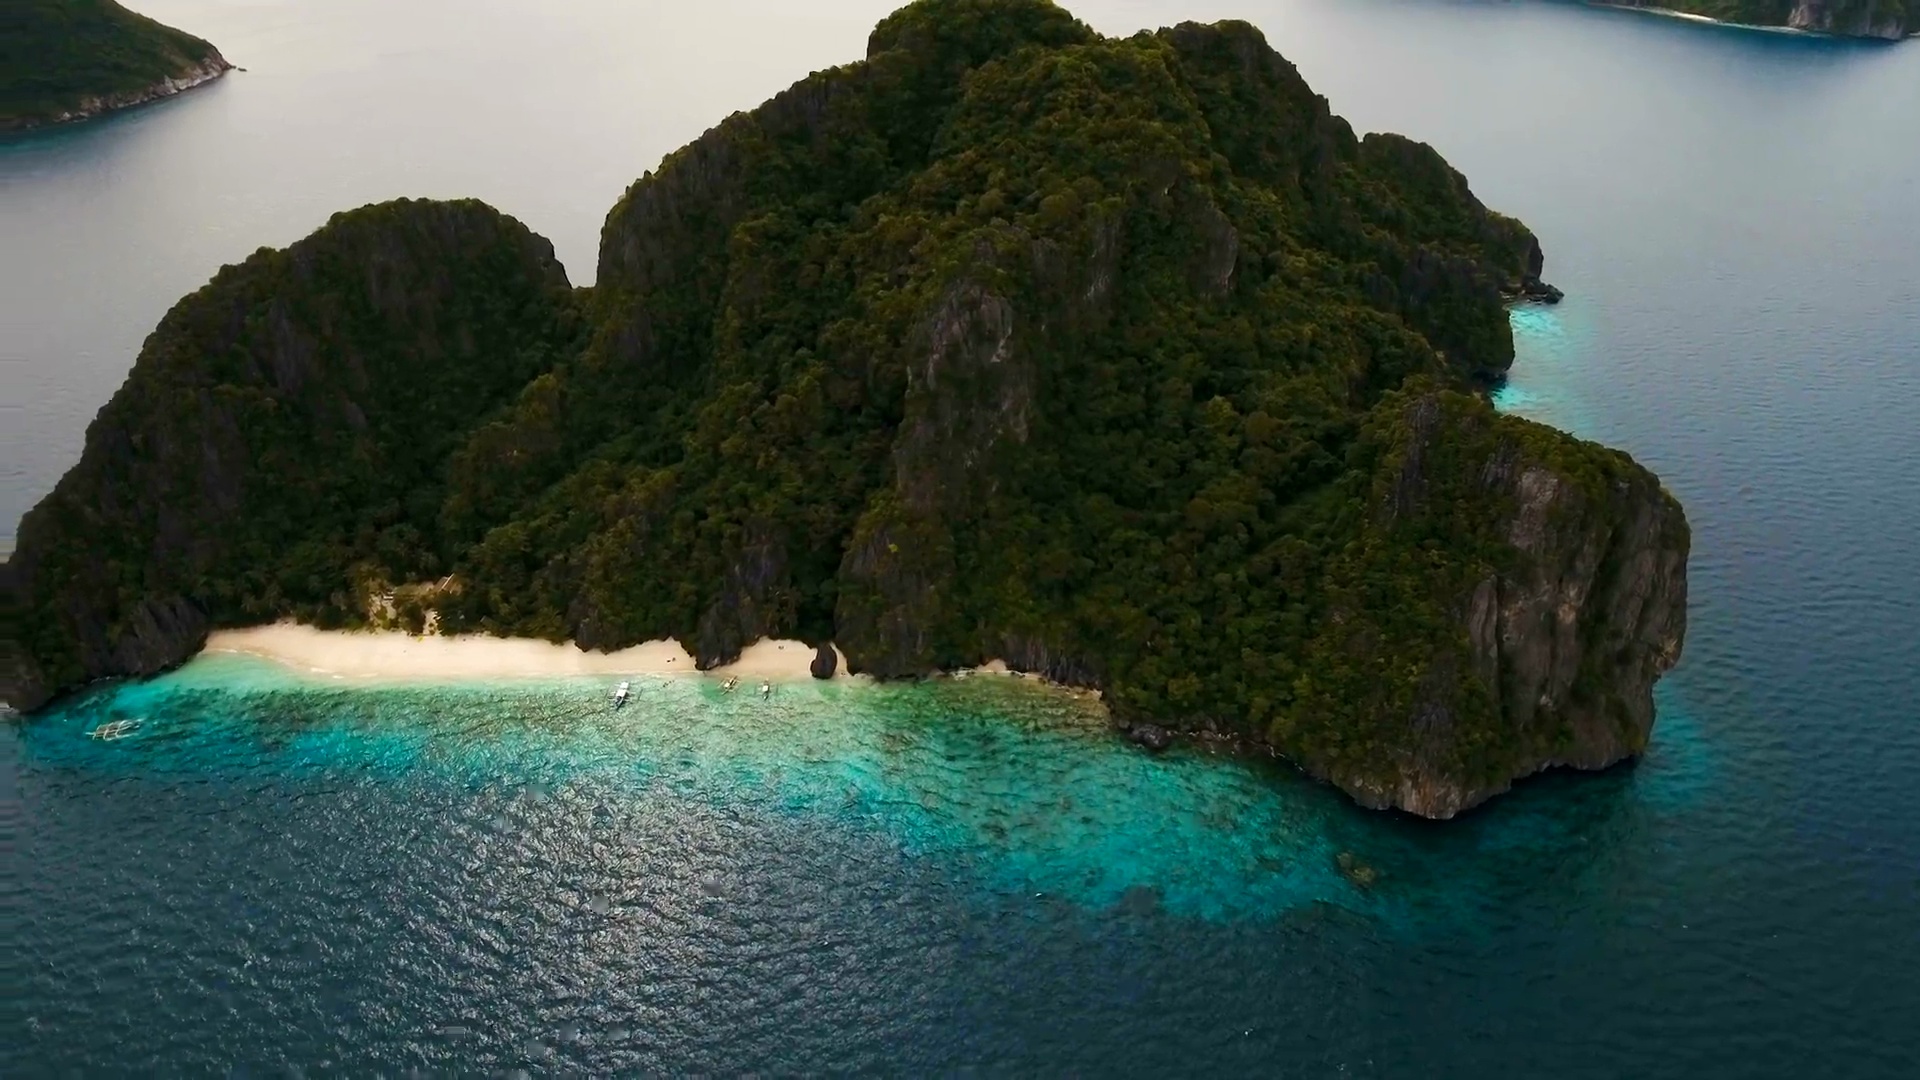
{"type": "Point", "coordinates": [1570, 608]}
{"type": "Point", "coordinates": [1151, 736]}
{"type": "Point", "coordinates": [1845, 18]}
{"type": "Point", "coordinates": [825, 661]}
{"type": "Point", "coordinates": [1540, 292]}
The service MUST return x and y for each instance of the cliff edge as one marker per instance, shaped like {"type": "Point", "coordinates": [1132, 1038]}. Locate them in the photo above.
{"type": "Point", "coordinates": [1125, 361]}
{"type": "Point", "coordinates": [1509, 602]}
{"type": "Point", "coordinates": [1888, 20]}
{"type": "Point", "coordinates": [279, 441]}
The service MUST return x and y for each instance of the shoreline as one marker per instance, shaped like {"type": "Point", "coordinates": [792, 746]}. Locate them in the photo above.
{"type": "Point", "coordinates": [397, 655]}
{"type": "Point", "coordinates": [390, 656]}
{"type": "Point", "coordinates": [209, 70]}
{"type": "Point", "coordinates": [1707, 20]}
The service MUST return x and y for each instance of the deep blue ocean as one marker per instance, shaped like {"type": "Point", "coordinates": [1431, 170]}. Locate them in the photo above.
{"type": "Point", "coordinates": [280, 876]}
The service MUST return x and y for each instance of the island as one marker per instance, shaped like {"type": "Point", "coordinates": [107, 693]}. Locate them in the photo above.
{"type": "Point", "coordinates": [64, 60]}
{"type": "Point", "coordinates": [1887, 19]}
{"type": "Point", "coordinates": [1120, 361]}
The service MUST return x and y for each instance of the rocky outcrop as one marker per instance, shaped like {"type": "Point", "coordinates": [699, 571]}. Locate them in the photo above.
{"type": "Point", "coordinates": [825, 662]}
{"type": "Point", "coordinates": [1888, 20]}
{"type": "Point", "coordinates": [293, 409]}
{"type": "Point", "coordinates": [1149, 736]}
{"type": "Point", "coordinates": [749, 607]}
{"type": "Point", "coordinates": [1854, 18]}
{"type": "Point", "coordinates": [1546, 637]}
{"type": "Point", "coordinates": [209, 69]}
{"type": "Point", "coordinates": [944, 355]}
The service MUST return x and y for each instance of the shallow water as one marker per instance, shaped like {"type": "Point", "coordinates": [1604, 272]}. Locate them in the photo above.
{"type": "Point", "coordinates": [281, 869]}
{"type": "Point", "coordinates": [273, 873]}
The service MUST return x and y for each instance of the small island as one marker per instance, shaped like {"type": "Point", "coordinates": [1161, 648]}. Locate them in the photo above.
{"type": "Point", "coordinates": [1120, 361]}
{"type": "Point", "coordinates": [66, 60]}
{"type": "Point", "coordinates": [1890, 20]}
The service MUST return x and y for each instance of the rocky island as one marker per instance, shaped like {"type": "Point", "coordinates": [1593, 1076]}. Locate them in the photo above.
{"type": "Point", "coordinates": [1122, 361]}
{"type": "Point", "coordinates": [1887, 19]}
{"type": "Point", "coordinates": [64, 60]}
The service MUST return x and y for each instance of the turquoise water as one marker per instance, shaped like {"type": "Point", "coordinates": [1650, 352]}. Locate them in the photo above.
{"type": "Point", "coordinates": [1018, 781]}
{"type": "Point", "coordinates": [275, 875]}
{"type": "Point", "coordinates": [280, 869]}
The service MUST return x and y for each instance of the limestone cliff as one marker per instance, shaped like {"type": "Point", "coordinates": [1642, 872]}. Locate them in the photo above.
{"type": "Point", "coordinates": [1124, 361]}
{"type": "Point", "coordinates": [1532, 640]}
{"type": "Point", "coordinates": [1886, 19]}
{"type": "Point", "coordinates": [278, 436]}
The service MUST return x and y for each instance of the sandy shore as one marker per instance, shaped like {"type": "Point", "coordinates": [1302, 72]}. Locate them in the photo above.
{"type": "Point", "coordinates": [396, 655]}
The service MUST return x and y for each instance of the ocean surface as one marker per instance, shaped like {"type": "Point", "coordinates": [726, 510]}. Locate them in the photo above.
{"type": "Point", "coordinates": [278, 875]}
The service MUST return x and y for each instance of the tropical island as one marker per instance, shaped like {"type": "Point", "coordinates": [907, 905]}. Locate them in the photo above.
{"type": "Point", "coordinates": [1888, 19]}
{"type": "Point", "coordinates": [64, 60]}
{"type": "Point", "coordinates": [1124, 362]}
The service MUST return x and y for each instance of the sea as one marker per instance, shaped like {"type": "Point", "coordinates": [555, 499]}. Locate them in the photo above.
{"type": "Point", "coordinates": [277, 874]}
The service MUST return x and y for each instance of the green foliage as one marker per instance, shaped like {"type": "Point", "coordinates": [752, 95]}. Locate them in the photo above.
{"type": "Point", "coordinates": [286, 427]}
{"type": "Point", "coordinates": [54, 54]}
{"type": "Point", "coordinates": [1010, 340]}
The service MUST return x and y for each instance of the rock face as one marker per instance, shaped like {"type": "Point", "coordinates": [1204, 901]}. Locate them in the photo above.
{"type": "Point", "coordinates": [1886, 19]}
{"type": "Point", "coordinates": [279, 437]}
{"type": "Point", "coordinates": [1150, 736]}
{"type": "Point", "coordinates": [1125, 361]}
{"type": "Point", "coordinates": [199, 74]}
{"type": "Point", "coordinates": [1533, 643]}
{"type": "Point", "coordinates": [825, 662]}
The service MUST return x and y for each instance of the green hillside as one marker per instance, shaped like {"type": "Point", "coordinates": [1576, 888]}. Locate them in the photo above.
{"type": "Point", "coordinates": [1123, 360]}
{"type": "Point", "coordinates": [55, 55]}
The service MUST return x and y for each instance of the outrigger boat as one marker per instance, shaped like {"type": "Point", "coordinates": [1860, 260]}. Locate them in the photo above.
{"type": "Point", "coordinates": [620, 695]}
{"type": "Point", "coordinates": [732, 682]}
{"type": "Point", "coordinates": [116, 729]}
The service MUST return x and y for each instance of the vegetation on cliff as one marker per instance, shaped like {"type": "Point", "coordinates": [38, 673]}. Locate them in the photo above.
{"type": "Point", "coordinates": [1124, 360]}
{"type": "Point", "coordinates": [1848, 18]}
{"type": "Point", "coordinates": [285, 432]}
{"type": "Point", "coordinates": [57, 56]}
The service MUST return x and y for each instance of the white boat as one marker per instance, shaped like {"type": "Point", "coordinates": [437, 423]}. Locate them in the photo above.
{"type": "Point", "coordinates": [620, 695]}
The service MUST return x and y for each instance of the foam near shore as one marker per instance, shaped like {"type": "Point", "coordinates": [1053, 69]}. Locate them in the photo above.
{"type": "Point", "coordinates": [392, 654]}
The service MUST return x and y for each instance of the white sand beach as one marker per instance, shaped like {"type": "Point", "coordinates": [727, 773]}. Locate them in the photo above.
{"type": "Point", "coordinates": [392, 654]}
{"type": "Point", "coordinates": [779, 661]}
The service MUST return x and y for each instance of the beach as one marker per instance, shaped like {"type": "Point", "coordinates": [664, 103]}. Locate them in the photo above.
{"type": "Point", "coordinates": [393, 654]}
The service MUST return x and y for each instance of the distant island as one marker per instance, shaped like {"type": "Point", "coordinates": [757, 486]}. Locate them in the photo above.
{"type": "Point", "coordinates": [1120, 361]}
{"type": "Point", "coordinates": [63, 60]}
{"type": "Point", "coordinates": [1888, 19]}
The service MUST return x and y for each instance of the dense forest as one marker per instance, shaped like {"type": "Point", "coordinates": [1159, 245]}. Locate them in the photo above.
{"type": "Point", "coordinates": [61, 58]}
{"type": "Point", "coordinates": [1123, 360]}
